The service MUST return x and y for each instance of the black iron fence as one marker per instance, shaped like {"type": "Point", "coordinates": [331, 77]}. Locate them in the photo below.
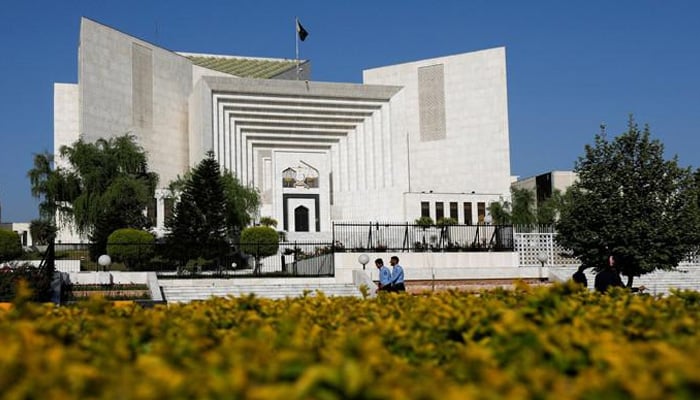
{"type": "Point", "coordinates": [290, 259]}
{"type": "Point", "coordinates": [378, 236]}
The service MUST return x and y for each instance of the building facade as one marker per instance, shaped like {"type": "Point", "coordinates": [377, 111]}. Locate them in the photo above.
{"type": "Point", "coordinates": [544, 185]}
{"type": "Point", "coordinates": [422, 138]}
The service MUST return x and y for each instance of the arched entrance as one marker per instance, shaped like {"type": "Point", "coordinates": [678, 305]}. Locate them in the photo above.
{"type": "Point", "coordinates": [301, 219]}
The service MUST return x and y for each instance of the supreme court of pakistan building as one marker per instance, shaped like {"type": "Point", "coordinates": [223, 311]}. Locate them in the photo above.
{"type": "Point", "coordinates": [428, 137]}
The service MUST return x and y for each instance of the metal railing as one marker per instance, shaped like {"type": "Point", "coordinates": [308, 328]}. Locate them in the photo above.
{"type": "Point", "coordinates": [292, 259]}
{"type": "Point", "coordinates": [381, 236]}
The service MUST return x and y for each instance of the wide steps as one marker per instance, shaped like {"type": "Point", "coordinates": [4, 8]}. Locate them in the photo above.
{"type": "Point", "coordinates": [180, 294]}
{"type": "Point", "coordinates": [657, 282]}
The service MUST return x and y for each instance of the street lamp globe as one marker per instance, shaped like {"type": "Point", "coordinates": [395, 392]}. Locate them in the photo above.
{"type": "Point", "coordinates": [363, 259]}
{"type": "Point", "coordinates": [104, 261]}
{"type": "Point", "coordinates": [542, 258]}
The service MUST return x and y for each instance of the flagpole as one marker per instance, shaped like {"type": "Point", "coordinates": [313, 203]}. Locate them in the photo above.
{"type": "Point", "coordinates": [296, 42]}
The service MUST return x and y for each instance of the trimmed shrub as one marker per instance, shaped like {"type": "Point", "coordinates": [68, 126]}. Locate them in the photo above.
{"type": "Point", "coordinates": [260, 241]}
{"type": "Point", "coordinates": [424, 222]}
{"type": "Point", "coordinates": [268, 221]}
{"type": "Point", "coordinates": [10, 245]}
{"type": "Point", "coordinates": [133, 247]}
{"type": "Point", "coordinates": [447, 221]}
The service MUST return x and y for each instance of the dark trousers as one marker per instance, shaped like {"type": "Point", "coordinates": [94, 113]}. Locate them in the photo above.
{"type": "Point", "coordinates": [398, 287]}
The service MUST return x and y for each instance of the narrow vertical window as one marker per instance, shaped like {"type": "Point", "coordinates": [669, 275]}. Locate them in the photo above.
{"type": "Point", "coordinates": [481, 211]}
{"type": "Point", "coordinates": [468, 213]}
{"type": "Point", "coordinates": [424, 209]}
{"type": "Point", "coordinates": [439, 211]}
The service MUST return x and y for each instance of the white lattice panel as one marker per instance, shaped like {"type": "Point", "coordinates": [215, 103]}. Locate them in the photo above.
{"type": "Point", "coordinates": [529, 245]}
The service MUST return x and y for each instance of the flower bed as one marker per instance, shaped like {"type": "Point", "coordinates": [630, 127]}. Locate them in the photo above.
{"type": "Point", "coordinates": [549, 342]}
{"type": "Point", "coordinates": [110, 292]}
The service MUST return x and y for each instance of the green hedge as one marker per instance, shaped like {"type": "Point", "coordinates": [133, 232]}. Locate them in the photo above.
{"type": "Point", "coordinates": [260, 241]}
{"type": "Point", "coordinates": [10, 245]}
{"type": "Point", "coordinates": [133, 247]}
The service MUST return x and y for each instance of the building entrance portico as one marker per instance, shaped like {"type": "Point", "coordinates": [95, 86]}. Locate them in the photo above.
{"type": "Point", "coordinates": [301, 213]}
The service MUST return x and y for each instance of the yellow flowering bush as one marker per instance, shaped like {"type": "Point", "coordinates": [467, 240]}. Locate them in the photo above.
{"type": "Point", "coordinates": [557, 342]}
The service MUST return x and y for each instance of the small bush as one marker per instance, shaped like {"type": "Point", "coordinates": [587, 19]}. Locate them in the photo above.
{"type": "Point", "coordinates": [268, 221]}
{"type": "Point", "coordinates": [424, 222]}
{"type": "Point", "coordinates": [38, 281]}
{"type": "Point", "coordinates": [10, 245]}
{"type": "Point", "coordinates": [447, 221]}
{"type": "Point", "coordinates": [260, 241]}
{"type": "Point", "coordinates": [133, 247]}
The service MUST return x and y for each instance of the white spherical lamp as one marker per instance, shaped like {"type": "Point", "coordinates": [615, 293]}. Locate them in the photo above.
{"type": "Point", "coordinates": [363, 259]}
{"type": "Point", "coordinates": [104, 261]}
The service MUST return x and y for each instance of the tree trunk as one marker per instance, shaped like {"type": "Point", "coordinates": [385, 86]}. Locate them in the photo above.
{"type": "Point", "coordinates": [630, 279]}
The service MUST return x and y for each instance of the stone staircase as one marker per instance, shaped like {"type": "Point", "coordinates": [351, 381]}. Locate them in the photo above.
{"type": "Point", "coordinates": [658, 282]}
{"type": "Point", "coordinates": [202, 289]}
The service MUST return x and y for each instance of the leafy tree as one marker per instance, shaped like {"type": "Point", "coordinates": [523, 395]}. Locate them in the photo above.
{"type": "Point", "coordinates": [43, 231]}
{"type": "Point", "coordinates": [523, 207]}
{"type": "Point", "coordinates": [548, 211]}
{"type": "Point", "coordinates": [500, 212]}
{"type": "Point", "coordinates": [54, 189]}
{"type": "Point", "coordinates": [133, 247]}
{"type": "Point", "coordinates": [631, 203]}
{"type": "Point", "coordinates": [242, 203]}
{"type": "Point", "coordinates": [49, 186]}
{"type": "Point", "coordinates": [260, 241]}
{"type": "Point", "coordinates": [107, 187]}
{"type": "Point", "coordinates": [523, 210]}
{"type": "Point", "coordinates": [268, 221]}
{"type": "Point", "coordinates": [198, 227]}
{"type": "Point", "coordinates": [10, 245]}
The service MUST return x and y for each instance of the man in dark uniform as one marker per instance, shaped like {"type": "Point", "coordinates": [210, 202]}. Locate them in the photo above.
{"type": "Point", "coordinates": [608, 277]}
{"type": "Point", "coordinates": [580, 277]}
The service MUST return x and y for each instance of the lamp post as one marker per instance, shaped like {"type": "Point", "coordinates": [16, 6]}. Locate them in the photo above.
{"type": "Point", "coordinates": [542, 258]}
{"type": "Point", "coordinates": [104, 261]}
{"type": "Point", "coordinates": [489, 219]}
{"type": "Point", "coordinates": [363, 259]}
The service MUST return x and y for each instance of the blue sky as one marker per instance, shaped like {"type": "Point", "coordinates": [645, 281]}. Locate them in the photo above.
{"type": "Point", "coordinates": [571, 64]}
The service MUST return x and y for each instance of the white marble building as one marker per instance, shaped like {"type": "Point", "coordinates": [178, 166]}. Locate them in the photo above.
{"type": "Point", "coordinates": [422, 138]}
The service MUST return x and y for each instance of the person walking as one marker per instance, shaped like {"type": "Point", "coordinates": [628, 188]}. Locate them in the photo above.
{"type": "Point", "coordinates": [610, 277]}
{"type": "Point", "coordinates": [580, 277]}
{"type": "Point", "coordinates": [384, 275]}
{"type": "Point", "coordinates": [397, 278]}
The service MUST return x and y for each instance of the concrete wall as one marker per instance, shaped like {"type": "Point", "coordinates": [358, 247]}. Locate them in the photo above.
{"type": "Point", "coordinates": [428, 265]}
{"type": "Point", "coordinates": [474, 153]}
{"type": "Point", "coordinates": [129, 85]}
{"type": "Point", "coordinates": [66, 118]}
{"type": "Point", "coordinates": [561, 180]}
